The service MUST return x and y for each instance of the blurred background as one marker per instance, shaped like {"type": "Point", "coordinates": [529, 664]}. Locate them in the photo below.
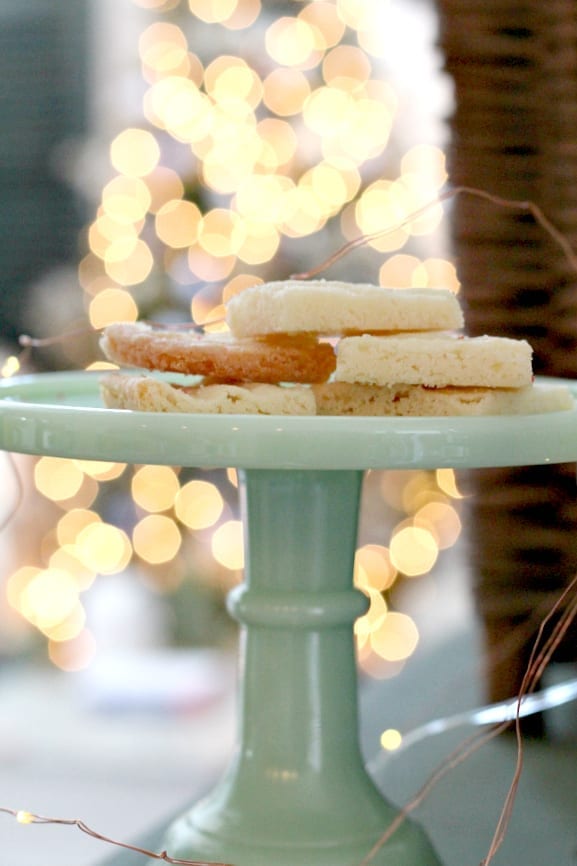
{"type": "Point", "coordinates": [156, 157]}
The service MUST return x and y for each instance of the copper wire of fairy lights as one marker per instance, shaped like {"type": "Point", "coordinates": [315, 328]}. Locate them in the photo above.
{"type": "Point", "coordinates": [24, 817]}
{"type": "Point", "coordinates": [453, 192]}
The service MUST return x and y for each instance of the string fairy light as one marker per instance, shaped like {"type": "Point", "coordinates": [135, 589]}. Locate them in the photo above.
{"type": "Point", "coordinates": [24, 817]}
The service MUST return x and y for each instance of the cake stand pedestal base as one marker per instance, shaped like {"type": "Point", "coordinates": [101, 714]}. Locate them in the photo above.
{"type": "Point", "coordinates": [297, 792]}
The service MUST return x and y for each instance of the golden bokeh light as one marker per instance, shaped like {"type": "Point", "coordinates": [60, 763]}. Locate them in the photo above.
{"type": "Point", "coordinates": [260, 244]}
{"type": "Point", "coordinates": [199, 504]}
{"type": "Point", "coordinates": [221, 232]}
{"type": "Point", "coordinates": [398, 271]}
{"type": "Point", "coordinates": [134, 152]}
{"type": "Point", "coordinates": [292, 42]}
{"type": "Point", "coordinates": [163, 47]}
{"type": "Point", "coordinates": [176, 104]}
{"type": "Point", "coordinates": [346, 62]}
{"type": "Point", "coordinates": [49, 598]}
{"type": "Point", "coordinates": [303, 214]}
{"type": "Point", "coordinates": [66, 559]}
{"type": "Point", "coordinates": [324, 19]}
{"type": "Point", "coordinates": [407, 271]}
{"type": "Point", "coordinates": [104, 548]}
{"type": "Point", "coordinates": [73, 522]}
{"type": "Point", "coordinates": [396, 639]}
{"type": "Point", "coordinates": [373, 619]}
{"type": "Point", "coordinates": [213, 11]}
{"type": "Point", "coordinates": [112, 305]}
{"type": "Point", "coordinates": [373, 568]}
{"type": "Point", "coordinates": [233, 154]}
{"type": "Point", "coordinates": [177, 223]}
{"type": "Point", "coordinates": [57, 478]}
{"type": "Point", "coordinates": [262, 197]}
{"type": "Point", "coordinates": [442, 274]}
{"type": "Point", "coordinates": [426, 161]}
{"type": "Point", "coordinates": [156, 538]}
{"type": "Point", "coordinates": [381, 214]}
{"type": "Point", "coordinates": [442, 521]}
{"type": "Point", "coordinates": [134, 268]}
{"type": "Point", "coordinates": [447, 482]}
{"type": "Point", "coordinates": [327, 110]}
{"type": "Point", "coordinates": [413, 551]}
{"type": "Point", "coordinates": [420, 488]}
{"type": "Point", "coordinates": [285, 91]}
{"type": "Point", "coordinates": [280, 144]}
{"type": "Point", "coordinates": [17, 583]}
{"type": "Point", "coordinates": [360, 14]}
{"type": "Point", "coordinates": [229, 79]}
{"type": "Point", "coordinates": [245, 14]}
{"type": "Point", "coordinates": [101, 470]}
{"type": "Point", "coordinates": [228, 545]}
{"type": "Point", "coordinates": [155, 488]}
{"type": "Point", "coordinates": [209, 268]}
{"type": "Point", "coordinates": [125, 199]}
{"type": "Point", "coordinates": [164, 185]}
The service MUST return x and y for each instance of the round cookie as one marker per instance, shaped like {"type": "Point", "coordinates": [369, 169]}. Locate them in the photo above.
{"type": "Point", "coordinates": [220, 356]}
{"type": "Point", "coordinates": [147, 394]}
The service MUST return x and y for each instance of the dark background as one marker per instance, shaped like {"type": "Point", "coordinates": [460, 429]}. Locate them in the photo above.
{"type": "Point", "coordinates": [43, 111]}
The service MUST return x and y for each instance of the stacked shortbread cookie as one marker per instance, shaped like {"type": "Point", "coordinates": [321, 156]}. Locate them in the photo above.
{"type": "Point", "coordinates": [329, 348]}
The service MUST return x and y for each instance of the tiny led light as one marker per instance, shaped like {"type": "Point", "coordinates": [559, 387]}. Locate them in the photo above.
{"type": "Point", "coordinates": [391, 739]}
{"type": "Point", "coordinates": [10, 366]}
{"type": "Point", "coordinates": [24, 817]}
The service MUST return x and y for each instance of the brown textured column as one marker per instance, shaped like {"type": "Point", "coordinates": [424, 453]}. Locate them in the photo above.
{"type": "Point", "coordinates": [514, 68]}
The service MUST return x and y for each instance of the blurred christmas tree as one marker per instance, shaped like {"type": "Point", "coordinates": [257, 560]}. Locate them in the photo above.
{"type": "Point", "coordinates": [260, 140]}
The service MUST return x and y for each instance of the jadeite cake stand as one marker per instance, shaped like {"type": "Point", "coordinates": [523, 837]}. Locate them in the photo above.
{"type": "Point", "coordinates": [296, 792]}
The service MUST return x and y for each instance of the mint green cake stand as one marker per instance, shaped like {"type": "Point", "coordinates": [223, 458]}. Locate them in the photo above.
{"type": "Point", "coordinates": [296, 792]}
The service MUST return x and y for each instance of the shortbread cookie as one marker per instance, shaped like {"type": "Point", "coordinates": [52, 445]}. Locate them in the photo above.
{"type": "Point", "coordinates": [146, 394]}
{"type": "Point", "coordinates": [220, 356]}
{"type": "Point", "coordinates": [435, 360]}
{"type": "Point", "coordinates": [333, 308]}
{"type": "Point", "coordinates": [343, 398]}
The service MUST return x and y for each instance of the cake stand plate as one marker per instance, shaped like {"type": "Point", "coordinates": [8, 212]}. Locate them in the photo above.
{"type": "Point", "coordinates": [296, 792]}
{"type": "Point", "coordinates": [61, 414]}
